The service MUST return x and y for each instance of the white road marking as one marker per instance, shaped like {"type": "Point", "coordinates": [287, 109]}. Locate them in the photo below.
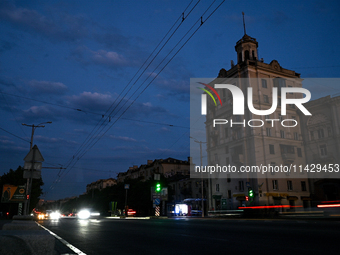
{"type": "Point", "coordinates": [75, 249]}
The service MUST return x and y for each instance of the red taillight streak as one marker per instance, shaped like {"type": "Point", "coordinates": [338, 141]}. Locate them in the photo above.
{"type": "Point", "coordinates": [269, 206]}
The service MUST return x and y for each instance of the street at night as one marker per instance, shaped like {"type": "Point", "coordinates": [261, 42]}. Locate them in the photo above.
{"type": "Point", "coordinates": [198, 236]}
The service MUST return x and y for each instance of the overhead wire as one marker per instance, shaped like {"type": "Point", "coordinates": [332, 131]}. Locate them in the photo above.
{"type": "Point", "coordinates": [101, 127]}
{"type": "Point", "coordinates": [154, 77]}
{"type": "Point", "coordinates": [69, 166]}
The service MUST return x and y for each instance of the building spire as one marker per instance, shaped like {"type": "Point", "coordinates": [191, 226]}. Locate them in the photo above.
{"type": "Point", "coordinates": [244, 24]}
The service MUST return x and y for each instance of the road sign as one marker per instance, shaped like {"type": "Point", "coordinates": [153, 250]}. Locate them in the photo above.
{"type": "Point", "coordinates": [36, 153]}
{"type": "Point", "coordinates": [36, 166]}
{"type": "Point", "coordinates": [248, 184]}
{"type": "Point", "coordinates": [35, 174]}
{"type": "Point", "coordinates": [157, 201]}
{"type": "Point", "coordinates": [126, 186]}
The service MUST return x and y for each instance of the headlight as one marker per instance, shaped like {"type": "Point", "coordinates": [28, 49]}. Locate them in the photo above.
{"type": "Point", "coordinates": [84, 214]}
{"type": "Point", "coordinates": [55, 215]}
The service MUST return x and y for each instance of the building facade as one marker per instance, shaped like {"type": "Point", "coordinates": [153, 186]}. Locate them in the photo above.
{"type": "Point", "coordinates": [168, 167]}
{"type": "Point", "coordinates": [321, 135]}
{"type": "Point", "coordinates": [244, 144]}
{"type": "Point", "coordinates": [100, 184]}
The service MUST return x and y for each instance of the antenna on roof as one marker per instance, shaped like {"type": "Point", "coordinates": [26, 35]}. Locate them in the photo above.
{"type": "Point", "coordinates": [244, 24]}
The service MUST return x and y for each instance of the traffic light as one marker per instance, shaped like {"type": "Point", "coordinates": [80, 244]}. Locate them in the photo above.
{"type": "Point", "coordinates": [158, 187]}
{"type": "Point", "coordinates": [251, 193]}
{"type": "Point", "coordinates": [27, 197]}
{"type": "Point", "coordinates": [247, 198]}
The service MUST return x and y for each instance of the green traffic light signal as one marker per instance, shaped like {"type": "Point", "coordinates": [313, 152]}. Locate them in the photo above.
{"type": "Point", "coordinates": [251, 193]}
{"type": "Point", "coordinates": [158, 187]}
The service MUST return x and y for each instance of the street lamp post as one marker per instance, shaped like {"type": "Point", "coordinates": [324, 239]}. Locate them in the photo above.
{"type": "Point", "coordinates": [202, 183]}
{"type": "Point", "coordinates": [29, 180]}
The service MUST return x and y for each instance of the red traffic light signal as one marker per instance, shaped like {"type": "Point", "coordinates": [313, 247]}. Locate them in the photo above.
{"type": "Point", "coordinates": [27, 197]}
{"type": "Point", "coordinates": [247, 198]}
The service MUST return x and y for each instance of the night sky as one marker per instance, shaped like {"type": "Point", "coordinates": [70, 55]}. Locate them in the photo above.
{"type": "Point", "coordinates": [80, 65]}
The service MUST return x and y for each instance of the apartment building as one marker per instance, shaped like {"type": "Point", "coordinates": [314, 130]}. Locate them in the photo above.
{"type": "Point", "coordinates": [256, 140]}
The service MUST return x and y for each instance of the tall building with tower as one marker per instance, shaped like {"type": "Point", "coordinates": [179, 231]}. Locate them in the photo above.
{"type": "Point", "coordinates": [249, 140]}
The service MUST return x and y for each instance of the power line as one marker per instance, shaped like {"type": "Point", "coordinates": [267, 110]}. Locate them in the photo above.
{"type": "Point", "coordinates": [94, 113]}
{"type": "Point", "coordinates": [85, 148]}
{"type": "Point", "coordinates": [201, 23]}
{"type": "Point", "coordinates": [99, 129]}
{"type": "Point", "coordinates": [15, 135]}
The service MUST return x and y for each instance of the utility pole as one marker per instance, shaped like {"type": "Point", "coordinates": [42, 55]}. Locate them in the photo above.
{"type": "Point", "coordinates": [29, 180]}
{"type": "Point", "coordinates": [202, 182]}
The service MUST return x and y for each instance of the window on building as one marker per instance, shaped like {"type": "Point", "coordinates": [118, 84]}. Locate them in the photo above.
{"type": "Point", "coordinates": [265, 99]}
{"type": "Point", "coordinates": [282, 134]}
{"type": "Point", "coordinates": [229, 193]}
{"type": "Point", "coordinates": [320, 133]}
{"type": "Point", "coordinates": [241, 185]}
{"type": "Point", "coordinates": [264, 83]}
{"type": "Point", "coordinates": [289, 185]}
{"type": "Point", "coordinates": [303, 186]}
{"type": "Point", "coordinates": [273, 164]}
{"type": "Point", "coordinates": [323, 150]}
{"type": "Point", "coordinates": [275, 185]}
{"type": "Point", "coordinates": [296, 136]}
{"type": "Point", "coordinates": [246, 54]}
{"type": "Point", "coordinates": [226, 133]}
{"type": "Point", "coordinates": [217, 187]}
{"type": "Point", "coordinates": [228, 178]}
{"type": "Point", "coordinates": [329, 131]}
{"type": "Point", "coordinates": [312, 135]}
{"type": "Point", "coordinates": [271, 149]}
{"type": "Point", "coordinates": [227, 161]}
{"type": "Point", "coordinates": [299, 152]}
{"type": "Point", "coordinates": [269, 133]}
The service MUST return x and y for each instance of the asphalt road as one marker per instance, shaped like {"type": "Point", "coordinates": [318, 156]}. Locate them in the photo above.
{"type": "Point", "coordinates": [199, 236]}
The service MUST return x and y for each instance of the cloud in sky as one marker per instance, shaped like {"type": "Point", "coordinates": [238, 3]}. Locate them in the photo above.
{"type": "Point", "coordinates": [91, 101]}
{"type": "Point", "coordinates": [123, 138]}
{"type": "Point", "coordinates": [66, 27]}
{"type": "Point", "coordinates": [47, 87]}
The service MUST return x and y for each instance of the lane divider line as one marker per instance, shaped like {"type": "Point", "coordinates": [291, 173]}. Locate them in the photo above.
{"type": "Point", "coordinates": [73, 248]}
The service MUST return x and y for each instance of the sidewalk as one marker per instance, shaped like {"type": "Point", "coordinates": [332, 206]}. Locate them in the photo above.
{"type": "Point", "coordinates": [27, 238]}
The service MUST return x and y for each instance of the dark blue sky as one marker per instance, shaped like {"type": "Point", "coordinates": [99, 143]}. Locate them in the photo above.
{"type": "Point", "coordinates": [60, 56]}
